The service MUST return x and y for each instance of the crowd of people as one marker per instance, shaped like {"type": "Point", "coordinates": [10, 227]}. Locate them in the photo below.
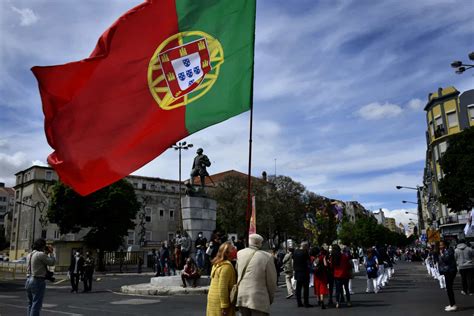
{"type": "Point", "coordinates": [330, 272]}
{"type": "Point", "coordinates": [246, 278]}
{"type": "Point", "coordinates": [443, 262]}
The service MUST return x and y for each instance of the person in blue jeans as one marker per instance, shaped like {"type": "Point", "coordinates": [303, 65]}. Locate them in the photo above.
{"type": "Point", "coordinates": [37, 262]}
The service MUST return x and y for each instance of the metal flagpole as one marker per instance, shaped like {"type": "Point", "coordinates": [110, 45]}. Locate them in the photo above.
{"type": "Point", "coordinates": [249, 182]}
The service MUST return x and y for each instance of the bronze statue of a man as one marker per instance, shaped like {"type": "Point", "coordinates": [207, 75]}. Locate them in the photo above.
{"type": "Point", "coordinates": [200, 163]}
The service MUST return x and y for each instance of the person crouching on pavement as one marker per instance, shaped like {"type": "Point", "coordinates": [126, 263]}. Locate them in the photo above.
{"type": "Point", "coordinates": [223, 279]}
{"type": "Point", "coordinates": [258, 282]}
{"type": "Point", "coordinates": [37, 262]}
{"type": "Point", "coordinates": [190, 272]}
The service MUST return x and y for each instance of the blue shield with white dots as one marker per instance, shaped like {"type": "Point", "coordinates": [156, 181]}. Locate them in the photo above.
{"type": "Point", "coordinates": [186, 62]}
{"type": "Point", "coordinates": [190, 82]}
{"type": "Point", "coordinates": [181, 76]}
{"type": "Point", "coordinates": [197, 70]}
{"type": "Point", "coordinates": [189, 73]}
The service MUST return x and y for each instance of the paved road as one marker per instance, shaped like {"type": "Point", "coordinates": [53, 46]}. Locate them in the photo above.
{"type": "Point", "coordinates": [410, 293]}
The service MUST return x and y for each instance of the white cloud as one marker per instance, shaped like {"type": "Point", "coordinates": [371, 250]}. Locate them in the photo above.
{"type": "Point", "coordinates": [377, 111]}
{"type": "Point", "coordinates": [401, 215]}
{"type": "Point", "coordinates": [27, 16]}
{"type": "Point", "coordinates": [416, 104]}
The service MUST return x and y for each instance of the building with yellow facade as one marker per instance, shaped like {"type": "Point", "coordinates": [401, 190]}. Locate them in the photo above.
{"type": "Point", "coordinates": [448, 112]}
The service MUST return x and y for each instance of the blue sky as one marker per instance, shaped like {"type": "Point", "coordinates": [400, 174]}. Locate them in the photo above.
{"type": "Point", "coordinates": [340, 88]}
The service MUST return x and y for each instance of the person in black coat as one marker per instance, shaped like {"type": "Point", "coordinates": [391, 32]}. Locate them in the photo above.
{"type": "Point", "coordinates": [447, 267]}
{"type": "Point", "coordinates": [76, 270]}
{"type": "Point", "coordinates": [301, 264]}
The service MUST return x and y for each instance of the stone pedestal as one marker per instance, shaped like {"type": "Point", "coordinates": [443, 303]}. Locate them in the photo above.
{"type": "Point", "coordinates": [199, 215]}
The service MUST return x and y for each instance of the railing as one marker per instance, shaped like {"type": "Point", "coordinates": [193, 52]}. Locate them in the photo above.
{"type": "Point", "coordinates": [12, 270]}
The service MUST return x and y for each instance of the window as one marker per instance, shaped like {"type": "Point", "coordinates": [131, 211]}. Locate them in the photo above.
{"type": "Point", "coordinates": [452, 119]}
{"type": "Point", "coordinates": [171, 214]}
{"type": "Point", "coordinates": [17, 194]}
{"type": "Point", "coordinates": [439, 129]}
{"type": "Point", "coordinates": [442, 148]}
{"type": "Point", "coordinates": [148, 214]}
{"type": "Point", "coordinates": [162, 213]}
{"type": "Point", "coordinates": [173, 189]}
{"type": "Point", "coordinates": [43, 234]}
{"type": "Point", "coordinates": [170, 236]}
{"type": "Point", "coordinates": [436, 154]}
{"type": "Point", "coordinates": [431, 128]}
{"type": "Point", "coordinates": [25, 234]}
{"type": "Point", "coordinates": [49, 175]}
{"type": "Point", "coordinates": [56, 234]}
{"type": "Point", "coordinates": [152, 186]}
{"type": "Point", "coordinates": [18, 180]}
{"type": "Point", "coordinates": [143, 186]}
{"type": "Point", "coordinates": [163, 188]}
{"type": "Point", "coordinates": [3, 199]}
{"type": "Point", "coordinates": [470, 110]}
{"type": "Point", "coordinates": [131, 238]}
{"type": "Point", "coordinates": [135, 185]}
{"type": "Point", "coordinates": [148, 235]}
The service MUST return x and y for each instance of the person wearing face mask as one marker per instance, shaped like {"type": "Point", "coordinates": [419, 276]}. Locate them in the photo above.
{"type": "Point", "coordinates": [200, 245]}
{"type": "Point", "coordinates": [76, 270]}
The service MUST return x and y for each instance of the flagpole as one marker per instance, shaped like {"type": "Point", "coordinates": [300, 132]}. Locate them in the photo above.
{"type": "Point", "coordinates": [249, 180]}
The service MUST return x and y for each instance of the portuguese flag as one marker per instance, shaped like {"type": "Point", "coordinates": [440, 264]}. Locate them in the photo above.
{"type": "Point", "coordinates": [162, 71]}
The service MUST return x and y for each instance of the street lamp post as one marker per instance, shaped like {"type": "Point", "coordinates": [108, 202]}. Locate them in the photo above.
{"type": "Point", "coordinates": [180, 146]}
{"type": "Point", "coordinates": [460, 66]}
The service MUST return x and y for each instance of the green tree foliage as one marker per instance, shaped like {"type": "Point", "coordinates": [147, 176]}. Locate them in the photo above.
{"type": "Point", "coordinates": [366, 232]}
{"type": "Point", "coordinates": [107, 213]}
{"type": "Point", "coordinates": [231, 197]}
{"type": "Point", "coordinates": [281, 205]}
{"type": "Point", "coordinates": [457, 163]}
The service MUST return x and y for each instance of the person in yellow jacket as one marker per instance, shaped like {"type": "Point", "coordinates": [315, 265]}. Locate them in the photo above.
{"type": "Point", "coordinates": [223, 279]}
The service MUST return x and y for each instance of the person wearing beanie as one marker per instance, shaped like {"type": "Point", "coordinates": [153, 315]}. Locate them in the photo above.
{"type": "Point", "coordinates": [257, 275]}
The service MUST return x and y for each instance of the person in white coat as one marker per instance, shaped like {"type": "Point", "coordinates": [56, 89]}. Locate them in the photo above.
{"type": "Point", "coordinates": [258, 283]}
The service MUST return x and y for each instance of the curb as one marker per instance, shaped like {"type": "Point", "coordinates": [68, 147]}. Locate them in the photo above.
{"type": "Point", "coordinates": [148, 289]}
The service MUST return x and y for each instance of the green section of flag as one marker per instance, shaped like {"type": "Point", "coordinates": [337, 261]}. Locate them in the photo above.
{"type": "Point", "coordinates": [232, 22]}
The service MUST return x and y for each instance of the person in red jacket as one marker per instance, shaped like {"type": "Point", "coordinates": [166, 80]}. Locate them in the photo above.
{"type": "Point", "coordinates": [341, 265]}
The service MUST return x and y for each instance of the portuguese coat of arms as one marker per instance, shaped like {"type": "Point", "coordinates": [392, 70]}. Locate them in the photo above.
{"type": "Point", "coordinates": [185, 66]}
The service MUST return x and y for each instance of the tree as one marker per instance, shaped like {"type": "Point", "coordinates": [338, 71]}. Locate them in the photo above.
{"type": "Point", "coordinates": [107, 213]}
{"type": "Point", "coordinates": [231, 197]}
{"type": "Point", "coordinates": [457, 163]}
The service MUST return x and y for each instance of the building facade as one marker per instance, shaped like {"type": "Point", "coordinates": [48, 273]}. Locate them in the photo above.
{"type": "Point", "coordinates": [448, 112]}
{"type": "Point", "coordinates": [158, 218]}
{"type": "Point", "coordinates": [7, 200]}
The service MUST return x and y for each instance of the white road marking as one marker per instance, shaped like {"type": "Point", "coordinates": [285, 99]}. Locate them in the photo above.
{"type": "Point", "coordinates": [9, 296]}
{"type": "Point", "coordinates": [136, 301]}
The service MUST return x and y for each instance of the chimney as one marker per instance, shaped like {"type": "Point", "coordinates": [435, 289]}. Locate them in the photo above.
{"type": "Point", "coordinates": [264, 176]}
{"type": "Point", "coordinates": [2, 185]}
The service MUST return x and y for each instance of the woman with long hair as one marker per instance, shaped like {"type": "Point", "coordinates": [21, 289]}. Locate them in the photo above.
{"type": "Point", "coordinates": [223, 279]}
{"type": "Point", "coordinates": [447, 268]}
{"type": "Point", "coordinates": [320, 276]}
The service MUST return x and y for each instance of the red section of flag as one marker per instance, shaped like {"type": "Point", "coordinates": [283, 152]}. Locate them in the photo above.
{"type": "Point", "coordinates": [100, 117]}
